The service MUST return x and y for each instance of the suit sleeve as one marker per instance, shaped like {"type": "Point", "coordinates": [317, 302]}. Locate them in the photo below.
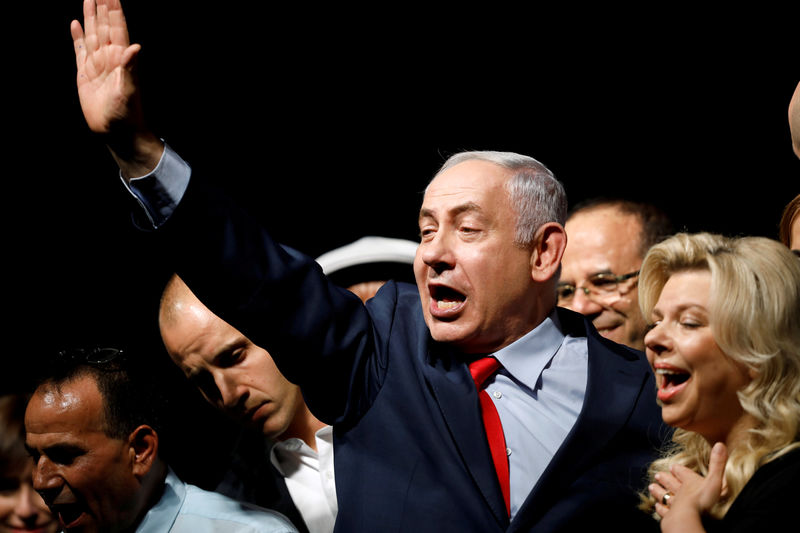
{"type": "Point", "coordinates": [320, 335]}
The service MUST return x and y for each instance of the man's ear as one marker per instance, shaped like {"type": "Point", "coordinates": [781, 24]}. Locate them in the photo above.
{"type": "Point", "coordinates": [548, 248]}
{"type": "Point", "coordinates": [143, 443]}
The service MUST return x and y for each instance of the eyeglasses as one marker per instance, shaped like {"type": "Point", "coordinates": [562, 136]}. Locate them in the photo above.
{"type": "Point", "coordinates": [93, 356]}
{"type": "Point", "coordinates": [601, 285]}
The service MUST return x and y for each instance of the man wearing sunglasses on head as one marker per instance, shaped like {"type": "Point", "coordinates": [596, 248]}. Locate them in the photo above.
{"type": "Point", "coordinates": [93, 428]}
{"type": "Point", "coordinates": [607, 241]}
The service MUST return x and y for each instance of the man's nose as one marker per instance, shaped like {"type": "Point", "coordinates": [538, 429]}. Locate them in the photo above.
{"type": "Point", "coordinates": [582, 303]}
{"type": "Point", "coordinates": [46, 480]}
{"type": "Point", "coordinates": [437, 252]}
{"type": "Point", "coordinates": [231, 393]}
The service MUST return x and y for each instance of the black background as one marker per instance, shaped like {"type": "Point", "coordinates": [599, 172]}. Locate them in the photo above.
{"type": "Point", "coordinates": [328, 122]}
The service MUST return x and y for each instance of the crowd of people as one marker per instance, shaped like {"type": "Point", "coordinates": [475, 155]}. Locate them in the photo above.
{"type": "Point", "coordinates": [523, 367]}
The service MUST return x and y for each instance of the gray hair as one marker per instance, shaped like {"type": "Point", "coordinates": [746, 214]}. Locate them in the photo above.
{"type": "Point", "coordinates": [534, 192]}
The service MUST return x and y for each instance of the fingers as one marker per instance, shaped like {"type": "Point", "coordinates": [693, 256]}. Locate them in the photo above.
{"type": "Point", "coordinates": [716, 467]}
{"type": "Point", "coordinates": [666, 484]}
{"type": "Point", "coordinates": [90, 25]}
{"type": "Point", "coordinates": [101, 26]}
{"type": "Point", "coordinates": [78, 42]}
{"type": "Point", "coordinates": [129, 55]}
{"type": "Point", "coordinates": [657, 492]}
{"type": "Point", "coordinates": [117, 24]}
{"type": "Point", "coordinates": [669, 481]}
{"type": "Point", "coordinates": [716, 464]}
{"type": "Point", "coordinates": [104, 24]}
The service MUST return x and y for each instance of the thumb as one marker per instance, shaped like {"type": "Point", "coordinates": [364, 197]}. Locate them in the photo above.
{"type": "Point", "coordinates": [716, 463]}
{"type": "Point", "coordinates": [129, 56]}
{"type": "Point", "coordinates": [716, 468]}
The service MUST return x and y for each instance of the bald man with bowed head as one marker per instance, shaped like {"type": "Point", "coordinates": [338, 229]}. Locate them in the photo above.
{"type": "Point", "coordinates": [286, 461]}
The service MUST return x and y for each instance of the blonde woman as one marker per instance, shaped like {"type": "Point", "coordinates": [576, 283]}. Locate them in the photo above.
{"type": "Point", "coordinates": [725, 346]}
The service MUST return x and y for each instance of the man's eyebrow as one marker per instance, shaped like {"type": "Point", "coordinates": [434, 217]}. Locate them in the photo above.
{"type": "Point", "coordinates": [601, 271]}
{"type": "Point", "coordinates": [454, 211]}
{"type": "Point", "coordinates": [61, 447]}
{"type": "Point", "coordinates": [226, 349]}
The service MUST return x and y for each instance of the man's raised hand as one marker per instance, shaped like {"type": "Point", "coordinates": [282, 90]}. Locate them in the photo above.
{"type": "Point", "coordinates": [104, 57]}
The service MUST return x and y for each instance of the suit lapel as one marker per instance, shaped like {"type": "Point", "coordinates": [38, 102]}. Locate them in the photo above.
{"type": "Point", "coordinates": [612, 386]}
{"type": "Point", "coordinates": [455, 394]}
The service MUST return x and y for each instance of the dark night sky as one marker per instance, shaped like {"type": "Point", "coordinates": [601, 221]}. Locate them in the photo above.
{"type": "Point", "coordinates": [308, 117]}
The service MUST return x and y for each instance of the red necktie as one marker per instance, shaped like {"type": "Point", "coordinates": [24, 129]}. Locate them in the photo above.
{"type": "Point", "coordinates": [481, 369]}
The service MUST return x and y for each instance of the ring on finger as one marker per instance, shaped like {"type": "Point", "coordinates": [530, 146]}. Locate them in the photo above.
{"type": "Point", "coordinates": [666, 497]}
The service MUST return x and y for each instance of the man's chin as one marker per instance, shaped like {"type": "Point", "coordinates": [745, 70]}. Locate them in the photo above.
{"type": "Point", "coordinates": [612, 333]}
{"type": "Point", "coordinates": [619, 335]}
{"type": "Point", "coordinates": [450, 333]}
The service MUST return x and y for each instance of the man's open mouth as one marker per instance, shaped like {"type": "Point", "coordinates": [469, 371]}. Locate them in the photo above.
{"type": "Point", "coordinates": [67, 513]}
{"type": "Point", "coordinates": [445, 298]}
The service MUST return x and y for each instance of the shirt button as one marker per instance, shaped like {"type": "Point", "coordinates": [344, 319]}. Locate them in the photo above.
{"type": "Point", "coordinates": [498, 394]}
{"type": "Point", "coordinates": [508, 451]}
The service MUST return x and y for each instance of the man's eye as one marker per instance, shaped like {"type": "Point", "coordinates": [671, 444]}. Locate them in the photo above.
{"type": "Point", "coordinates": [62, 457]}
{"type": "Point", "coordinates": [602, 281]}
{"type": "Point", "coordinates": [229, 358]}
{"type": "Point", "coordinates": [565, 291]}
{"type": "Point", "coordinates": [205, 383]}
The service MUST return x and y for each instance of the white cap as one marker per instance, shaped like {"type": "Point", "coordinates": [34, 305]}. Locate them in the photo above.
{"type": "Point", "coordinates": [367, 250]}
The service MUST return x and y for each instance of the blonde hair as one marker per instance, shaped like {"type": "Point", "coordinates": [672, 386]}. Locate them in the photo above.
{"type": "Point", "coordinates": [755, 319]}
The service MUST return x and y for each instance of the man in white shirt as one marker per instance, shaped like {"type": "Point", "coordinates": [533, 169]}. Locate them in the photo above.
{"type": "Point", "coordinates": [92, 428]}
{"type": "Point", "coordinates": [241, 379]}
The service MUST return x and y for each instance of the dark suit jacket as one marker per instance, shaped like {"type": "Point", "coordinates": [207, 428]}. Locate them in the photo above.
{"type": "Point", "coordinates": [410, 449]}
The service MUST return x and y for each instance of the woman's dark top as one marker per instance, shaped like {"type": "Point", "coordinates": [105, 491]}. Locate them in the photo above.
{"type": "Point", "coordinates": [767, 502]}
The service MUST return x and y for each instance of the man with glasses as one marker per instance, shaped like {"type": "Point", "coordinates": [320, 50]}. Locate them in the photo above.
{"type": "Point", "coordinates": [607, 241]}
{"type": "Point", "coordinates": [93, 430]}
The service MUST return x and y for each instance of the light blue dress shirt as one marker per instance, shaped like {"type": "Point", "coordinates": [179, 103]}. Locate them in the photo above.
{"type": "Point", "coordinates": [538, 394]}
{"type": "Point", "coordinates": [159, 192]}
{"type": "Point", "coordinates": [185, 508]}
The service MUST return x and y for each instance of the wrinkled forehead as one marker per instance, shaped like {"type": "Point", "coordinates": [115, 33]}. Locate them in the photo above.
{"type": "Point", "coordinates": [473, 181]}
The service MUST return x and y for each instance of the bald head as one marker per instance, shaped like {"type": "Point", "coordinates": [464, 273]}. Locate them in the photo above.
{"type": "Point", "coordinates": [177, 300]}
{"type": "Point", "coordinates": [232, 372]}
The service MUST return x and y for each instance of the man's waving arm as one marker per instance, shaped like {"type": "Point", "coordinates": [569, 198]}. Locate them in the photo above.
{"type": "Point", "coordinates": [108, 89]}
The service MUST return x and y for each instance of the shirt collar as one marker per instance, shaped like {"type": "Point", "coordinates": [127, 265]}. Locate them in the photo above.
{"type": "Point", "coordinates": [162, 515]}
{"type": "Point", "coordinates": [285, 452]}
{"type": "Point", "coordinates": [527, 357]}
